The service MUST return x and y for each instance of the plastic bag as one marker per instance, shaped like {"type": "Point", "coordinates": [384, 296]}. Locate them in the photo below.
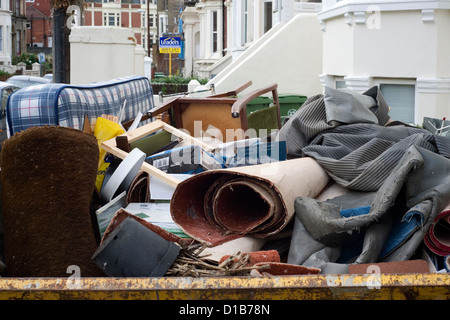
{"type": "Point", "coordinates": [104, 130]}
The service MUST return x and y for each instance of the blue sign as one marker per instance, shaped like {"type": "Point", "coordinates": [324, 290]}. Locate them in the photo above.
{"type": "Point", "coordinates": [41, 57]}
{"type": "Point", "coordinates": [170, 44]}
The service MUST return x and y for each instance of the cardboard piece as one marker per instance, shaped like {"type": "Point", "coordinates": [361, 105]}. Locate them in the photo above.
{"type": "Point", "coordinates": [185, 160]}
{"type": "Point", "coordinates": [158, 214]}
{"type": "Point", "coordinates": [143, 131]}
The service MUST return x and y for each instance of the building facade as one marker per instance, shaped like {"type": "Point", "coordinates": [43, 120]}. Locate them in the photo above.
{"type": "Point", "coordinates": [127, 14]}
{"type": "Point", "coordinates": [217, 32]}
{"type": "Point", "coordinates": [39, 25]}
{"type": "Point", "coordinates": [5, 31]}
{"type": "Point", "coordinates": [400, 46]}
{"type": "Point", "coordinates": [12, 30]}
{"type": "Point", "coordinates": [18, 26]}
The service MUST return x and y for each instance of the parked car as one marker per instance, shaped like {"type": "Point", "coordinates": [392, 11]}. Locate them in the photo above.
{"type": "Point", "coordinates": [6, 89]}
{"type": "Point", "coordinates": [26, 81]}
{"type": "Point", "coordinates": [49, 76]}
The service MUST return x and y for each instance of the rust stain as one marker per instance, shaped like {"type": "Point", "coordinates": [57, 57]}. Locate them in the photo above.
{"type": "Point", "coordinates": [309, 287]}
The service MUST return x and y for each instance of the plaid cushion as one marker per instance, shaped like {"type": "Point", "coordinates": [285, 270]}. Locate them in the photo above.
{"type": "Point", "coordinates": [67, 105]}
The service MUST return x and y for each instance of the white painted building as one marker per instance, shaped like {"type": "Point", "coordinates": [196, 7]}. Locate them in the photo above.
{"type": "Point", "coordinates": [218, 32]}
{"type": "Point", "coordinates": [5, 33]}
{"type": "Point", "coordinates": [401, 46]}
{"type": "Point", "coordinates": [100, 53]}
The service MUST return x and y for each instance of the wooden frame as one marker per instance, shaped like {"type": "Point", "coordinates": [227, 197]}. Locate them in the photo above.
{"type": "Point", "coordinates": [113, 147]}
{"type": "Point", "coordinates": [231, 93]}
{"type": "Point", "coordinates": [233, 115]}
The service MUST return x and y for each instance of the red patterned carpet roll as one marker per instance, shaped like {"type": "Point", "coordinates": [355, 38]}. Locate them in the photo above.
{"type": "Point", "coordinates": [47, 180]}
{"type": "Point", "coordinates": [217, 206]}
{"type": "Point", "coordinates": [438, 237]}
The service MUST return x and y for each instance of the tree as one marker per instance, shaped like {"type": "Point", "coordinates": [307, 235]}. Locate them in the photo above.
{"type": "Point", "coordinates": [64, 12]}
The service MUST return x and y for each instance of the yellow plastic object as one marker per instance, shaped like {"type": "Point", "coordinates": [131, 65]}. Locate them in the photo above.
{"type": "Point", "coordinates": [104, 130]}
{"type": "Point", "coordinates": [432, 286]}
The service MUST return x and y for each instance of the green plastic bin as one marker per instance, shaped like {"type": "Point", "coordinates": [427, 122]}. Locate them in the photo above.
{"type": "Point", "coordinates": [289, 104]}
{"type": "Point", "coordinates": [262, 115]}
{"type": "Point", "coordinates": [258, 103]}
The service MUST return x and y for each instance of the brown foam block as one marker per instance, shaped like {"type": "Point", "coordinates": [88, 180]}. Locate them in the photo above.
{"type": "Point", "coordinates": [48, 181]}
{"type": "Point", "coordinates": [408, 266]}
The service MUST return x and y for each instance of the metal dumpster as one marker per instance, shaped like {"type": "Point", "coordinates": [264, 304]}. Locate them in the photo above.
{"type": "Point", "coordinates": [434, 286]}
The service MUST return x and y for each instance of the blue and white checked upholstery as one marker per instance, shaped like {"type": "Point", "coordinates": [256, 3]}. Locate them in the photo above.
{"type": "Point", "coordinates": [67, 105]}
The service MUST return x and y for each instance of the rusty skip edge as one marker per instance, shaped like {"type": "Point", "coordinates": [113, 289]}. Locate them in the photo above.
{"type": "Point", "coordinates": [364, 281]}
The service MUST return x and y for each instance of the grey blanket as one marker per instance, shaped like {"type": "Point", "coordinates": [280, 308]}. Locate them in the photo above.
{"type": "Point", "coordinates": [397, 176]}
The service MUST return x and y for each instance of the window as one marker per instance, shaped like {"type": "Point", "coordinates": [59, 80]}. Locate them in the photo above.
{"type": "Point", "coordinates": [17, 7]}
{"type": "Point", "coordinates": [162, 25]}
{"type": "Point", "coordinates": [214, 31]}
{"type": "Point", "coordinates": [267, 15]}
{"type": "Point", "coordinates": [144, 15]}
{"type": "Point", "coordinates": [152, 20]}
{"type": "Point", "coordinates": [401, 99]}
{"type": "Point", "coordinates": [1, 38]}
{"type": "Point", "coordinates": [152, 38]}
{"type": "Point", "coordinates": [245, 20]}
{"type": "Point", "coordinates": [111, 19]}
{"type": "Point", "coordinates": [340, 84]}
{"type": "Point", "coordinates": [18, 42]}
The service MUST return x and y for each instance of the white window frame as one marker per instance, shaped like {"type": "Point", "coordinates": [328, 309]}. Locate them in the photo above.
{"type": "Point", "coordinates": [109, 14]}
{"type": "Point", "coordinates": [267, 13]}
{"type": "Point", "coordinates": [162, 24]}
{"type": "Point", "coordinates": [399, 81]}
{"type": "Point", "coordinates": [214, 31]}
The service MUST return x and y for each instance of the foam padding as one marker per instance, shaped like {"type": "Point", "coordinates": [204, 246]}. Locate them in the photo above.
{"type": "Point", "coordinates": [48, 181]}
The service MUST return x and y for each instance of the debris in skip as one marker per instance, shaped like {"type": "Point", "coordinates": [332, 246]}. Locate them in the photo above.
{"type": "Point", "coordinates": [203, 187]}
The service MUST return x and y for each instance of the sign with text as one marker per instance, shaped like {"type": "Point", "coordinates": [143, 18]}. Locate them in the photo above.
{"type": "Point", "coordinates": [169, 45]}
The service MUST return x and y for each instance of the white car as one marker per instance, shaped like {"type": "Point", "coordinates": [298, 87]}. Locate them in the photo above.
{"type": "Point", "coordinates": [6, 89]}
{"type": "Point", "coordinates": [26, 81]}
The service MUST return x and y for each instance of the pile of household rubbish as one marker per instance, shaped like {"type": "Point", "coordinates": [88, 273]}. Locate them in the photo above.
{"type": "Point", "coordinates": [341, 186]}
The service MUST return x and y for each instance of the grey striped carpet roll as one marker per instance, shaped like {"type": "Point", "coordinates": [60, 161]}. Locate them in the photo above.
{"type": "Point", "coordinates": [360, 154]}
{"type": "Point", "coordinates": [314, 117]}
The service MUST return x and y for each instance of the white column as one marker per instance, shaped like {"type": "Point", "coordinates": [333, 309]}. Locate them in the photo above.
{"type": "Point", "coordinates": [238, 18]}
{"type": "Point", "coordinates": [203, 31]}
{"type": "Point", "coordinates": [189, 48]}
{"type": "Point", "coordinates": [229, 23]}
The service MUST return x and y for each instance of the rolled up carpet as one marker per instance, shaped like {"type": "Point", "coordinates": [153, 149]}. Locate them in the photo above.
{"type": "Point", "coordinates": [217, 206]}
{"type": "Point", "coordinates": [437, 238]}
{"type": "Point", "coordinates": [48, 179]}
